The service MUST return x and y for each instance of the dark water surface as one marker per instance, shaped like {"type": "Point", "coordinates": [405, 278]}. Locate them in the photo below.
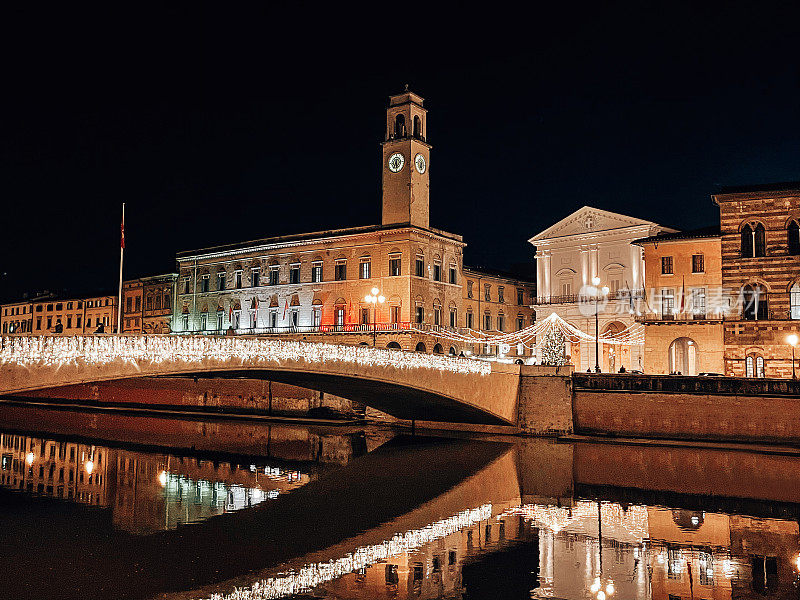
{"type": "Point", "coordinates": [109, 506]}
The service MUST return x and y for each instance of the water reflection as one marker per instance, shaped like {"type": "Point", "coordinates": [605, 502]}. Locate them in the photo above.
{"type": "Point", "coordinates": [146, 492]}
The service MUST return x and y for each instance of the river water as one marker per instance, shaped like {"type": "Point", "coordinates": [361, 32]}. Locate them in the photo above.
{"type": "Point", "coordinates": [100, 506]}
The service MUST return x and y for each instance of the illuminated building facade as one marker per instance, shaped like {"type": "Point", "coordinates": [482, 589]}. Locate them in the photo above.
{"type": "Point", "coordinates": [317, 282]}
{"type": "Point", "coordinates": [761, 263]}
{"type": "Point", "coordinates": [587, 245]}
{"type": "Point", "coordinates": [147, 304]}
{"type": "Point", "coordinates": [684, 304]}
{"type": "Point", "coordinates": [16, 318]}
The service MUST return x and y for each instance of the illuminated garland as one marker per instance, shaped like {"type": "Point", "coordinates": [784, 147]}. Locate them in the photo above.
{"type": "Point", "coordinates": [310, 576]}
{"type": "Point", "coordinates": [58, 351]}
{"type": "Point", "coordinates": [631, 336]}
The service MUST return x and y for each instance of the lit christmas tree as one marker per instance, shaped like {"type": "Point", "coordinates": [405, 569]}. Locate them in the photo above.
{"type": "Point", "coordinates": [553, 349]}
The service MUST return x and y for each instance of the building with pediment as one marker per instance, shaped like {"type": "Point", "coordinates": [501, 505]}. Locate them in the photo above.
{"type": "Point", "coordinates": [316, 283]}
{"type": "Point", "coordinates": [593, 243]}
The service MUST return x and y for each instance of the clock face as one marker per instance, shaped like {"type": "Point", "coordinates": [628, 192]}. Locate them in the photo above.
{"type": "Point", "coordinates": [419, 162]}
{"type": "Point", "coordinates": [396, 162]}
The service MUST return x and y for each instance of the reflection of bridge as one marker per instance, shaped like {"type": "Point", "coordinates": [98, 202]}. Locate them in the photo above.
{"type": "Point", "coordinates": [407, 385]}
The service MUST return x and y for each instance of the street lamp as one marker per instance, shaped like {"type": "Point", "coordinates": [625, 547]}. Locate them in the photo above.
{"type": "Point", "coordinates": [374, 298]}
{"type": "Point", "coordinates": [792, 339]}
{"type": "Point", "coordinates": [597, 290]}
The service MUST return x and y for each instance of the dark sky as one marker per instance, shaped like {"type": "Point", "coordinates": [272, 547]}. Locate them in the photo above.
{"type": "Point", "coordinates": [217, 126]}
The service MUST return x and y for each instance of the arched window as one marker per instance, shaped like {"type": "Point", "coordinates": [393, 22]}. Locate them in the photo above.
{"type": "Point", "coordinates": [754, 302]}
{"type": "Point", "coordinates": [393, 346]}
{"type": "Point", "coordinates": [793, 238]}
{"type": "Point", "coordinates": [754, 366]}
{"type": "Point", "coordinates": [400, 126]}
{"type": "Point", "coordinates": [794, 301]}
{"type": "Point", "coordinates": [438, 349]}
{"type": "Point", "coordinates": [417, 127]}
{"type": "Point", "coordinates": [747, 242]}
{"type": "Point", "coordinates": [420, 348]}
{"type": "Point", "coordinates": [759, 241]}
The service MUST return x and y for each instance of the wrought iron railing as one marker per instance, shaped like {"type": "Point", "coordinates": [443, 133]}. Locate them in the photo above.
{"type": "Point", "coordinates": [575, 298]}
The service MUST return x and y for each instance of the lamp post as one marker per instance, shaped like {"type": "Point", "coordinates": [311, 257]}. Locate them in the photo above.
{"type": "Point", "coordinates": [374, 298]}
{"type": "Point", "coordinates": [597, 291]}
{"type": "Point", "coordinates": [793, 339]}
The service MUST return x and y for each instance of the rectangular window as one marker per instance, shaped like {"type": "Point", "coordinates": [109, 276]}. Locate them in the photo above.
{"type": "Point", "coordinates": [255, 277]}
{"type": "Point", "coordinates": [204, 287]}
{"type": "Point", "coordinates": [453, 274]}
{"type": "Point", "coordinates": [77, 321]}
{"type": "Point", "coordinates": [698, 263]}
{"type": "Point", "coordinates": [185, 322]}
{"type": "Point", "coordinates": [453, 317]}
{"type": "Point", "coordinates": [340, 271]}
{"type": "Point", "coordinates": [469, 289]}
{"type": "Point", "coordinates": [274, 275]}
{"type": "Point", "coordinates": [419, 314]}
{"type": "Point", "coordinates": [500, 294]}
{"type": "Point", "coordinates": [394, 266]}
{"type": "Point", "coordinates": [437, 315]}
{"type": "Point", "coordinates": [420, 267]}
{"type": "Point", "coordinates": [667, 303]}
{"type": "Point", "coordinates": [69, 322]}
{"type": "Point", "coordinates": [219, 320]}
{"type": "Point", "coordinates": [203, 321]}
{"type": "Point", "coordinates": [316, 272]}
{"type": "Point", "coordinates": [273, 319]}
{"type": "Point", "coordinates": [295, 318]}
{"type": "Point", "coordinates": [520, 322]}
{"type": "Point", "coordinates": [365, 316]}
{"type": "Point", "coordinates": [501, 321]}
{"type": "Point", "coordinates": [237, 319]}
{"type": "Point", "coordinates": [185, 286]}
{"type": "Point", "coordinates": [338, 316]}
{"type": "Point", "coordinates": [316, 315]}
{"type": "Point", "coordinates": [221, 281]}
{"type": "Point", "coordinates": [395, 314]}
{"type": "Point", "coordinates": [237, 280]}
{"type": "Point", "coordinates": [128, 304]}
{"type": "Point", "coordinates": [138, 303]}
{"type": "Point", "coordinates": [699, 303]}
{"type": "Point", "coordinates": [487, 322]}
{"type": "Point", "coordinates": [294, 273]}
{"type": "Point", "coordinates": [468, 320]}
{"type": "Point", "coordinates": [520, 296]}
{"type": "Point", "coordinates": [49, 322]}
{"type": "Point", "coordinates": [487, 293]}
{"type": "Point", "coordinates": [365, 269]}
{"type": "Point", "coordinates": [666, 265]}
{"type": "Point", "coordinates": [437, 272]}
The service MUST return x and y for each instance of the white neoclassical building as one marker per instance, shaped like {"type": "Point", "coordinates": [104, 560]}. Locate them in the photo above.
{"type": "Point", "coordinates": [593, 243]}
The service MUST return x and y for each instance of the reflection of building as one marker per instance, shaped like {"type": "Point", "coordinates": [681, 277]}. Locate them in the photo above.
{"type": "Point", "coordinates": [57, 469]}
{"type": "Point", "coordinates": [684, 305]}
{"type": "Point", "coordinates": [593, 243]}
{"type": "Point", "coordinates": [761, 258]}
{"type": "Point", "coordinates": [317, 282]}
{"type": "Point", "coordinates": [145, 492]}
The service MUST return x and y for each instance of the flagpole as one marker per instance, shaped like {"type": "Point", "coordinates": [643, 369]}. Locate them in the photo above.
{"type": "Point", "coordinates": [121, 256]}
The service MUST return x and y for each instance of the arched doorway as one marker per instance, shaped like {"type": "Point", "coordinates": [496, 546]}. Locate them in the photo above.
{"type": "Point", "coordinates": [438, 349]}
{"type": "Point", "coordinates": [614, 355]}
{"type": "Point", "coordinates": [420, 348]}
{"type": "Point", "coordinates": [683, 356]}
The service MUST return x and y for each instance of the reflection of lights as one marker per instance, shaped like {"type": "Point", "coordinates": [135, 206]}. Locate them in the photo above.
{"type": "Point", "coordinates": [162, 478]}
{"type": "Point", "coordinates": [797, 562]}
{"type": "Point", "coordinates": [595, 586]}
{"type": "Point", "coordinates": [89, 467]}
{"type": "Point", "coordinates": [610, 588]}
{"type": "Point", "coordinates": [727, 568]}
{"type": "Point", "coordinates": [316, 574]}
{"type": "Point", "coordinates": [661, 560]}
{"type": "Point", "coordinates": [695, 521]}
{"type": "Point", "coordinates": [601, 595]}
{"type": "Point", "coordinates": [29, 458]}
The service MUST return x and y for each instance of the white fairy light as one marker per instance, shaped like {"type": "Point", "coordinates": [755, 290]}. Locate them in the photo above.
{"type": "Point", "coordinates": [157, 349]}
{"type": "Point", "coordinates": [310, 576]}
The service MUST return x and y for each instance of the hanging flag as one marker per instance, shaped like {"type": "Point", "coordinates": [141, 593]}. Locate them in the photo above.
{"type": "Point", "coordinates": [230, 312]}
{"type": "Point", "coordinates": [285, 308]}
{"type": "Point", "coordinates": [122, 230]}
{"type": "Point", "coordinates": [683, 295]}
{"type": "Point", "coordinates": [255, 303]}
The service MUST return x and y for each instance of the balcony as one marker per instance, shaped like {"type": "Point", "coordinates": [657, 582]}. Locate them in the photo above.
{"type": "Point", "coordinates": [626, 295]}
{"type": "Point", "coordinates": [679, 317]}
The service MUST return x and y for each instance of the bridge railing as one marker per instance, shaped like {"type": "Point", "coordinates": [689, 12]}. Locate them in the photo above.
{"type": "Point", "coordinates": [56, 351]}
{"type": "Point", "coordinates": [686, 384]}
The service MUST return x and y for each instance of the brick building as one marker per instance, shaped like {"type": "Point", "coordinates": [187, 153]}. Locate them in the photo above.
{"type": "Point", "coordinates": [760, 229]}
{"type": "Point", "coordinates": [684, 305]}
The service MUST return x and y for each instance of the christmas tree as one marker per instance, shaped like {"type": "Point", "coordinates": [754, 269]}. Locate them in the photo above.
{"type": "Point", "coordinates": [553, 349]}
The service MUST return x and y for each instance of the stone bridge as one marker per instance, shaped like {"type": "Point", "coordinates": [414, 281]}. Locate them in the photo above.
{"type": "Point", "coordinates": [407, 385]}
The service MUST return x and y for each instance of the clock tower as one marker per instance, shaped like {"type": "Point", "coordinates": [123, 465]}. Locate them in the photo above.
{"type": "Point", "coordinates": [406, 160]}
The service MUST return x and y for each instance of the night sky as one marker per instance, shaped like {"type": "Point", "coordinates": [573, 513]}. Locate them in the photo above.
{"type": "Point", "coordinates": [217, 127]}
